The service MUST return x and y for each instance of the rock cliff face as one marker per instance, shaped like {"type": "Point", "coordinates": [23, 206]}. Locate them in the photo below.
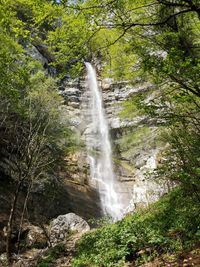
{"type": "Point", "coordinates": [135, 145]}
{"type": "Point", "coordinates": [132, 159]}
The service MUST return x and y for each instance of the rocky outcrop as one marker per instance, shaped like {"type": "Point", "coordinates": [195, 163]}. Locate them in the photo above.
{"type": "Point", "coordinates": [35, 237]}
{"type": "Point", "coordinates": [63, 225]}
{"type": "Point", "coordinates": [62, 234]}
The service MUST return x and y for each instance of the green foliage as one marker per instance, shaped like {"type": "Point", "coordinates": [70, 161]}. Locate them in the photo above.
{"type": "Point", "coordinates": [170, 225]}
{"type": "Point", "coordinates": [14, 76]}
{"type": "Point", "coordinates": [45, 262]}
{"type": "Point", "coordinates": [137, 139]}
{"type": "Point", "coordinates": [100, 222]}
{"type": "Point", "coordinates": [61, 32]}
{"type": "Point", "coordinates": [35, 136]}
{"type": "Point", "coordinates": [53, 254]}
{"type": "Point", "coordinates": [42, 136]}
{"type": "Point", "coordinates": [184, 151]}
{"type": "Point", "coordinates": [68, 42]}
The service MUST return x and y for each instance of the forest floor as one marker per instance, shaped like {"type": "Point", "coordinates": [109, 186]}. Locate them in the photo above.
{"type": "Point", "coordinates": [30, 258]}
{"type": "Point", "coordinates": [48, 257]}
{"type": "Point", "coordinates": [183, 259]}
{"type": "Point", "coordinates": [70, 247]}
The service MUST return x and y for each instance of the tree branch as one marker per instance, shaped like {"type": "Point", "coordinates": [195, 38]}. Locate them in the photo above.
{"type": "Point", "coordinates": [159, 23]}
{"type": "Point", "coordinates": [167, 3]}
{"type": "Point", "coordinates": [197, 93]}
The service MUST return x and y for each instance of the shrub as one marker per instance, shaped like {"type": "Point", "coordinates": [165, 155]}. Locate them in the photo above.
{"type": "Point", "coordinates": [170, 225]}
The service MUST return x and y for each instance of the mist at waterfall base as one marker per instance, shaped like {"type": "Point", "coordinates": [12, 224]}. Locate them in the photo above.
{"type": "Point", "coordinates": [100, 151]}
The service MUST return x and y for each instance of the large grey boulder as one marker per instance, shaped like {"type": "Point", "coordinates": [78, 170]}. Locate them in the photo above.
{"type": "Point", "coordinates": [63, 225]}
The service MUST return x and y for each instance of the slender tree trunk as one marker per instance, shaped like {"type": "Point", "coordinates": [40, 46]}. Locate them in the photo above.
{"type": "Point", "coordinates": [22, 216]}
{"type": "Point", "coordinates": [45, 231]}
{"type": "Point", "coordinates": [10, 223]}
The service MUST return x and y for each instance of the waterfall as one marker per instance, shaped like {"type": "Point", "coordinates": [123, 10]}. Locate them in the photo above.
{"type": "Point", "coordinates": [100, 151]}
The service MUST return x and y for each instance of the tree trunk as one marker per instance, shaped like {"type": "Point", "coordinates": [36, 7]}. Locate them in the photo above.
{"type": "Point", "coordinates": [10, 223]}
{"type": "Point", "coordinates": [22, 216]}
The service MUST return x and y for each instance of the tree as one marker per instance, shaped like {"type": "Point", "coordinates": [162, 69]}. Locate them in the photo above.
{"type": "Point", "coordinates": [33, 142]}
{"type": "Point", "coordinates": [162, 39]}
{"type": "Point", "coordinates": [163, 35]}
{"type": "Point", "coordinates": [56, 30]}
{"type": "Point", "coordinates": [34, 135]}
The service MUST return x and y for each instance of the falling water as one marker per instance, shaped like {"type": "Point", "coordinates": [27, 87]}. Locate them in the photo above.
{"type": "Point", "coordinates": [100, 152]}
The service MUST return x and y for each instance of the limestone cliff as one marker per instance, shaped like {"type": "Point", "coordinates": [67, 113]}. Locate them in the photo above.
{"type": "Point", "coordinates": [132, 161]}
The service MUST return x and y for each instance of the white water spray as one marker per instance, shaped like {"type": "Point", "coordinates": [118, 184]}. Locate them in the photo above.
{"type": "Point", "coordinates": [100, 152]}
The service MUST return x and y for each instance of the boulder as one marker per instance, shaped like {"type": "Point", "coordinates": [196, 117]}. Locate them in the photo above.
{"type": "Point", "coordinates": [63, 225]}
{"type": "Point", "coordinates": [36, 237]}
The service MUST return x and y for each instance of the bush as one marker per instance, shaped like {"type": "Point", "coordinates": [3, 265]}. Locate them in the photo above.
{"type": "Point", "coordinates": [170, 225]}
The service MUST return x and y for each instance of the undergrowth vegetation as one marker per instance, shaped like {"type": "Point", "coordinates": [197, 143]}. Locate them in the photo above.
{"type": "Point", "coordinates": [169, 226]}
{"type": "Point", "coordinates": [53, 254]}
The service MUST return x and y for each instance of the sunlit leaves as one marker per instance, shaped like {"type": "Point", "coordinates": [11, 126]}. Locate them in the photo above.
{"type": "Point", "coordinates": [164, 227]}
